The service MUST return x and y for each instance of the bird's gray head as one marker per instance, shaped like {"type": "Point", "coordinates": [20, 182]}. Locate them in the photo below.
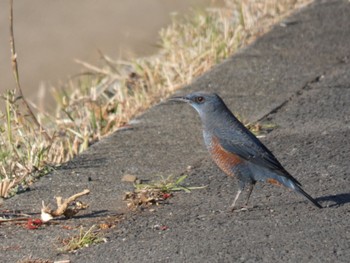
{"type": "Point", "coordinates": [206, 104]}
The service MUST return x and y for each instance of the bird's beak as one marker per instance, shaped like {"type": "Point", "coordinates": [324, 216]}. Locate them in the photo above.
{"type": "Point", "coordinates": [179, 99]}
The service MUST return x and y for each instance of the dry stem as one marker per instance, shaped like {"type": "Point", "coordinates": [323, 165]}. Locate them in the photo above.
{"type": "Point", "coordinates": [62, 207]}
{"type": "Point", "coordinates": [16, 75]}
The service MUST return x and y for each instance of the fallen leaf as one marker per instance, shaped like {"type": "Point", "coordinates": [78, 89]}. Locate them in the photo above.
{"type": "Point", "coordinates": [105, 226]}
{"type": "Point", "coordinates": [33, 223]}
{"type": "Point", "coordinates": [67, 227]}
{"type": "Point", "coordinates": [166, 196]}
{"type": "Point", "coordinates": [163, 228]}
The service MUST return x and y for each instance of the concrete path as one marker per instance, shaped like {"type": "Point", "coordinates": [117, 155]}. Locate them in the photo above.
{"type": "Point", "coordinates": [297, 77]}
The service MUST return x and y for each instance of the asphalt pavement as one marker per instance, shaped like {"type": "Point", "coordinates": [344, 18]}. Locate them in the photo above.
{"type": "Point", "coordinates": [296, 77]}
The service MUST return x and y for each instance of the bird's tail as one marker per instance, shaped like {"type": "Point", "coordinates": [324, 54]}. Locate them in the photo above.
{"type": "Point", "coordinates": [292, 183]}
{"type": "Point", "coordinates": [301, 191]}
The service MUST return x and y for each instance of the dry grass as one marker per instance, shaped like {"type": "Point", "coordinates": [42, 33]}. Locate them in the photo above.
{"type": "Point", "coordinates": [156, 192]}
{"type": "Point", "coordinates": [95, 104]}
{"type": "Point", "coordinates": [85, 238]}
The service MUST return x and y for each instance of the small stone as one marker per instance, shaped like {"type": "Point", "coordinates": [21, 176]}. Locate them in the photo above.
{"type": "Point", "coordinates": [129, 178]}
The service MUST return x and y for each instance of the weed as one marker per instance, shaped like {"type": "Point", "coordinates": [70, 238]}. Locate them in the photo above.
{"type": "Point", "coordinates": [85, 238]}
{"type": "Point", "coordinates": [167, 185]}
{"type": "Point", "coordinates": [156, 192]}
{"type": "Point", "coordinates": [260, 129]}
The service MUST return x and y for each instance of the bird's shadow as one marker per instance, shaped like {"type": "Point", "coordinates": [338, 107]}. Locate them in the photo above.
{"type": "Point", "coordinates": [338, 199]}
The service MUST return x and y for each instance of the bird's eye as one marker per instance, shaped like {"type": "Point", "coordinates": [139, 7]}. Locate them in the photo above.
{"type": "Point", "coordinates": [200, 99]}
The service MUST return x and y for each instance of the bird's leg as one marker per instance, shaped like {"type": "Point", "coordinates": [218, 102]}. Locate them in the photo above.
{"type": "Point", "coordinates": [242, 185]}
{"type": "Point", "coordinates": [232, 207]}
{"type": "Point", "coordinates": [250, 190]}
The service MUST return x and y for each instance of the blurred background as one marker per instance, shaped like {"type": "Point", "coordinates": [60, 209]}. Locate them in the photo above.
{"type": "Point", "coordinates": [50, 34]}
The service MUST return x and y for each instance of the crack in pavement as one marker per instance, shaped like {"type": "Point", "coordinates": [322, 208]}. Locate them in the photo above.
{"type": "Point", "coordinates": [295, 95]}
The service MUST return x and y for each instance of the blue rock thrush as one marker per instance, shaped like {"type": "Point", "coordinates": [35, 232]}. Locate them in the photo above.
{"type": "Point", "coordinates": [235, 149]}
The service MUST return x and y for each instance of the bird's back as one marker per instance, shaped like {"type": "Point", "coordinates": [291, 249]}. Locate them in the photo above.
{"type": "Point", "coordinates": [234, 138]}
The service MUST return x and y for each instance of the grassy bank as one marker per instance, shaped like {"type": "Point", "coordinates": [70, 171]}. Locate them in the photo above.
{"type": "Point", "coordinates": [97, 103]}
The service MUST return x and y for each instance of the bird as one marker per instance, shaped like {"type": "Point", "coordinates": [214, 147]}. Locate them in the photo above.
{"type": "Point", "coordinates": [236, 150]}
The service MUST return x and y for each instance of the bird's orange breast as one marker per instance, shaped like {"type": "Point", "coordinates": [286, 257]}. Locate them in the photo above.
{"type": "Point", "coordinates": [273, 181]}
{"type": "Point", "coordinates": [224, 159]}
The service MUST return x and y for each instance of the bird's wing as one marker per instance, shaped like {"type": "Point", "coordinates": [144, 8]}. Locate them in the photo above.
{"type": "Point", "coordinates": [248, 147]}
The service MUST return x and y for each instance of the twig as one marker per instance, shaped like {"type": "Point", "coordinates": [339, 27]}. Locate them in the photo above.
{"type": "Point", "coordinates": [108, 61]}
{"type": "Point", "coordinates": [63, 207]}
{"type": "Point", "coordinates": [16, 75]}
{"type": "Point", "coordinates": [92, 67]}
{"type": "Point", "coordinates": [15, 217]}
{"type": "Point", "coordinates": [13, 220]}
